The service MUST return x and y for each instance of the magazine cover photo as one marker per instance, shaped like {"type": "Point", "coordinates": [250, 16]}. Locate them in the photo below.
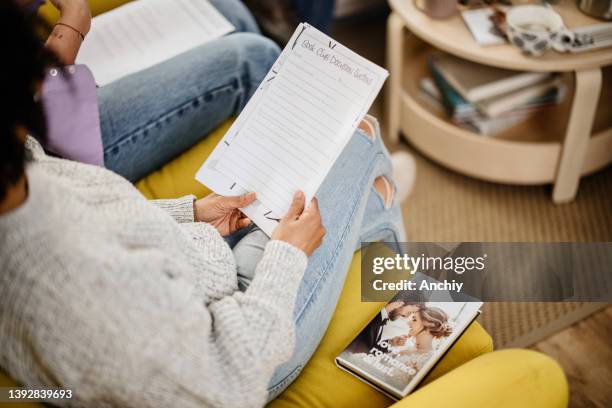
{"type": "Point", "coordinates": [404, 340]}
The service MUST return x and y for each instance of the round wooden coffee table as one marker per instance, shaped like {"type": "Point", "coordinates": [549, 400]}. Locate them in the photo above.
{"type": "Point", "coordinates": [557, 145]}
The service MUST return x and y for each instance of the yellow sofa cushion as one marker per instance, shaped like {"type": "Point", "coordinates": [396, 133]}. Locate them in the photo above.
{"type": "Point", "coordinates": [50, 13]}
{"type": "Point", "coordinates": [177, 178]}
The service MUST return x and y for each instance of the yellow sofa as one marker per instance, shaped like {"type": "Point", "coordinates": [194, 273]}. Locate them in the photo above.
{"type": "Point", "coordinates": [469, 375]}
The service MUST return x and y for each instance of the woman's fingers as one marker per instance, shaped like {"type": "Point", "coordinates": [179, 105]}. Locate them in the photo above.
{"type": "Point", "coordinates": [233, 221]}
{"type": "Point", "coordinates": [248, 199]}
{"type": "Point", "coordinates": [314, 214]}
{"type": "Point", "coordinates": [240, 201]}
{"type": "Point", "coordinates": [244, 222]}
{"type": "Point", "coordinates": [301, 228]}
{"type": "Point", "coordinates": [297, 206]}
{"type": "Point", "coordinates": [313, 208]}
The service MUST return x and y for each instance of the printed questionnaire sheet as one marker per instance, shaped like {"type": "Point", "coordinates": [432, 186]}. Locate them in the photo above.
{"type": "Point", "coordinates": [295, 126]}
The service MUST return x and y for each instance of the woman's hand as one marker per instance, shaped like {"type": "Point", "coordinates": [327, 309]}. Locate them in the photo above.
{"type": "Point", "coordinates": [301, 227]}
{"type": "Point", "coordinates": [223, 213]}
{"type": "Point", "coordinates": [75, 13]}
{"type": "Point", "coordinates": [65, 40]}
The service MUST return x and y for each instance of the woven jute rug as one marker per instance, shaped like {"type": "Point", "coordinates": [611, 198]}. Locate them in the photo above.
{"type": "Point", "coordinates": [446, 206]}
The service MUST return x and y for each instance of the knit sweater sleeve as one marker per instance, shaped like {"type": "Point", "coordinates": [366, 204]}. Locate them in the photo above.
{"type": "Point", "coordinates": [181, 209]}
{"type": "Point", "coordinates": [134, 335]}
{"type": "Point", "coordinates": [217, 255]}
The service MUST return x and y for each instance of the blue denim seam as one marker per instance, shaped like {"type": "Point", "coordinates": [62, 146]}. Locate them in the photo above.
{"type": "Point", "coordinates": [288, 379]}
{"type": "Point", "coordinates": [343, 236]}
{"type": "Point", "coordinates": [127, 138]}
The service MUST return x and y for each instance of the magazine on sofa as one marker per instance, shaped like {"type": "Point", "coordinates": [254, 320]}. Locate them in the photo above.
{"type": "Point", "coordinates": [404, 341]}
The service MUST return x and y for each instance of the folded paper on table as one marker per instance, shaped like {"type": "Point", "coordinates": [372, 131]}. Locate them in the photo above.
{"type": "Point", "coordinates": [295, 126]}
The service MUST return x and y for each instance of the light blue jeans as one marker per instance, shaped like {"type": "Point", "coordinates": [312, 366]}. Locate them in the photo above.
{"type": "Point", "coordinates": [352, 212]}
{"type": "Point", "coordinates": [152, 116]}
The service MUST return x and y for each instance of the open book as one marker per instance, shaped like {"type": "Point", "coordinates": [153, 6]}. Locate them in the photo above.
{"type": "Point", "coordinates": [295, 126]}
{"type": "Point", "coordinates": [404, 341]}
{"type": "Point", "coordinates": [143, 33]}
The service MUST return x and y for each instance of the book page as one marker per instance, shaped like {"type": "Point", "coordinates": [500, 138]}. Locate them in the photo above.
{"type": "Point", "coordinates": [295, 126]}
{"type": "Point", "coordinates": [144, 33]}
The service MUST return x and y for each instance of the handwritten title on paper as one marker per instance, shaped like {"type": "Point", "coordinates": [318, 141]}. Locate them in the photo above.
{"type": "Point", "coordinates": [331, 58]}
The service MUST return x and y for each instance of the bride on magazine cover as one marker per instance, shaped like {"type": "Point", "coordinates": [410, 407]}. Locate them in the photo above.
{"type": "Point", "coordinates": [427, 327]}
{"type": "Point", "coordinates": [412, 342]}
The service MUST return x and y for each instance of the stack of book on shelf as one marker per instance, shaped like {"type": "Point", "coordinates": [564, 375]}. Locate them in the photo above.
{"type": "Point", "coordinates": [488, 100]}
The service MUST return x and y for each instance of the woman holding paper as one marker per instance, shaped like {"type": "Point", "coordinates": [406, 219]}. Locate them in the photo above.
{"type": "Point", "coordinates": [150, 117]}
{"type": "Point", "coordinates": [130, 302]}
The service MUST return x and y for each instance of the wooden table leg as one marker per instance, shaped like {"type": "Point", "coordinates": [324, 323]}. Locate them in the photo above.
{"type": "Point", "coordinates": [395, 59]}
{"type": "Point", "coordinates": [577, 135]}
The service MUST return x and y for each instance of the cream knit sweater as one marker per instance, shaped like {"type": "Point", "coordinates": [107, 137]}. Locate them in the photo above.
{"type": "Point", "coordinates": [130, 303]}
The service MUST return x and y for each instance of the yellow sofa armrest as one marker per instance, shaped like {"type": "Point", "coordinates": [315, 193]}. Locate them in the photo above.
{"type": "Point", "coordinates": [502, 379]}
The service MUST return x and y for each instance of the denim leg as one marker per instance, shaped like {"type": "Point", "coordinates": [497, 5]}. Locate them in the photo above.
{"type": "Point", "coordinates": [152, 116]}
{"type": "Point", "coordinates": [237, 14]}
{"type": "Point", "coordinates": [345, 198]}
{"type": "Point", "coordinates": [351, 210]}
{"type": "Point", "coordinates": [382, 222]}
{"type": "Point", "coordinates": [247, 252]}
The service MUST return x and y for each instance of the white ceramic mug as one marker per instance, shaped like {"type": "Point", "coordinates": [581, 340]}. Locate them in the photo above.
{"type": "Point", "coordinates": [535, 29]}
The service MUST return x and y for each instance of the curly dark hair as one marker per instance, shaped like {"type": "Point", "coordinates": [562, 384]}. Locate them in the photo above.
{"type": "Point", "coordinates": [23, 68]}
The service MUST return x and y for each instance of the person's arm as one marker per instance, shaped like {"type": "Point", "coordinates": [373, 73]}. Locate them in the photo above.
{"type": "Point", "coordinates": [67, 36]}
{"type": "Point", "coordinates": [221, 212]}
{"type": "Point", "coordinates": [132, 334]}
{"type": "Point", "coordinates": [181, 209]}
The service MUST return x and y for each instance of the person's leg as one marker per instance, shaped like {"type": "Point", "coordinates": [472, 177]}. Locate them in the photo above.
{"type": "Point", "coordinates": [384, 198]}
{"type": "Point", "coordinates": [237, 14]}
{"type": "Point", "coordinates": [351, 210]}
{"type": "Point", "coordinates": [150, 117]}
{"type": "Point", "coordinates": [247, 252]}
